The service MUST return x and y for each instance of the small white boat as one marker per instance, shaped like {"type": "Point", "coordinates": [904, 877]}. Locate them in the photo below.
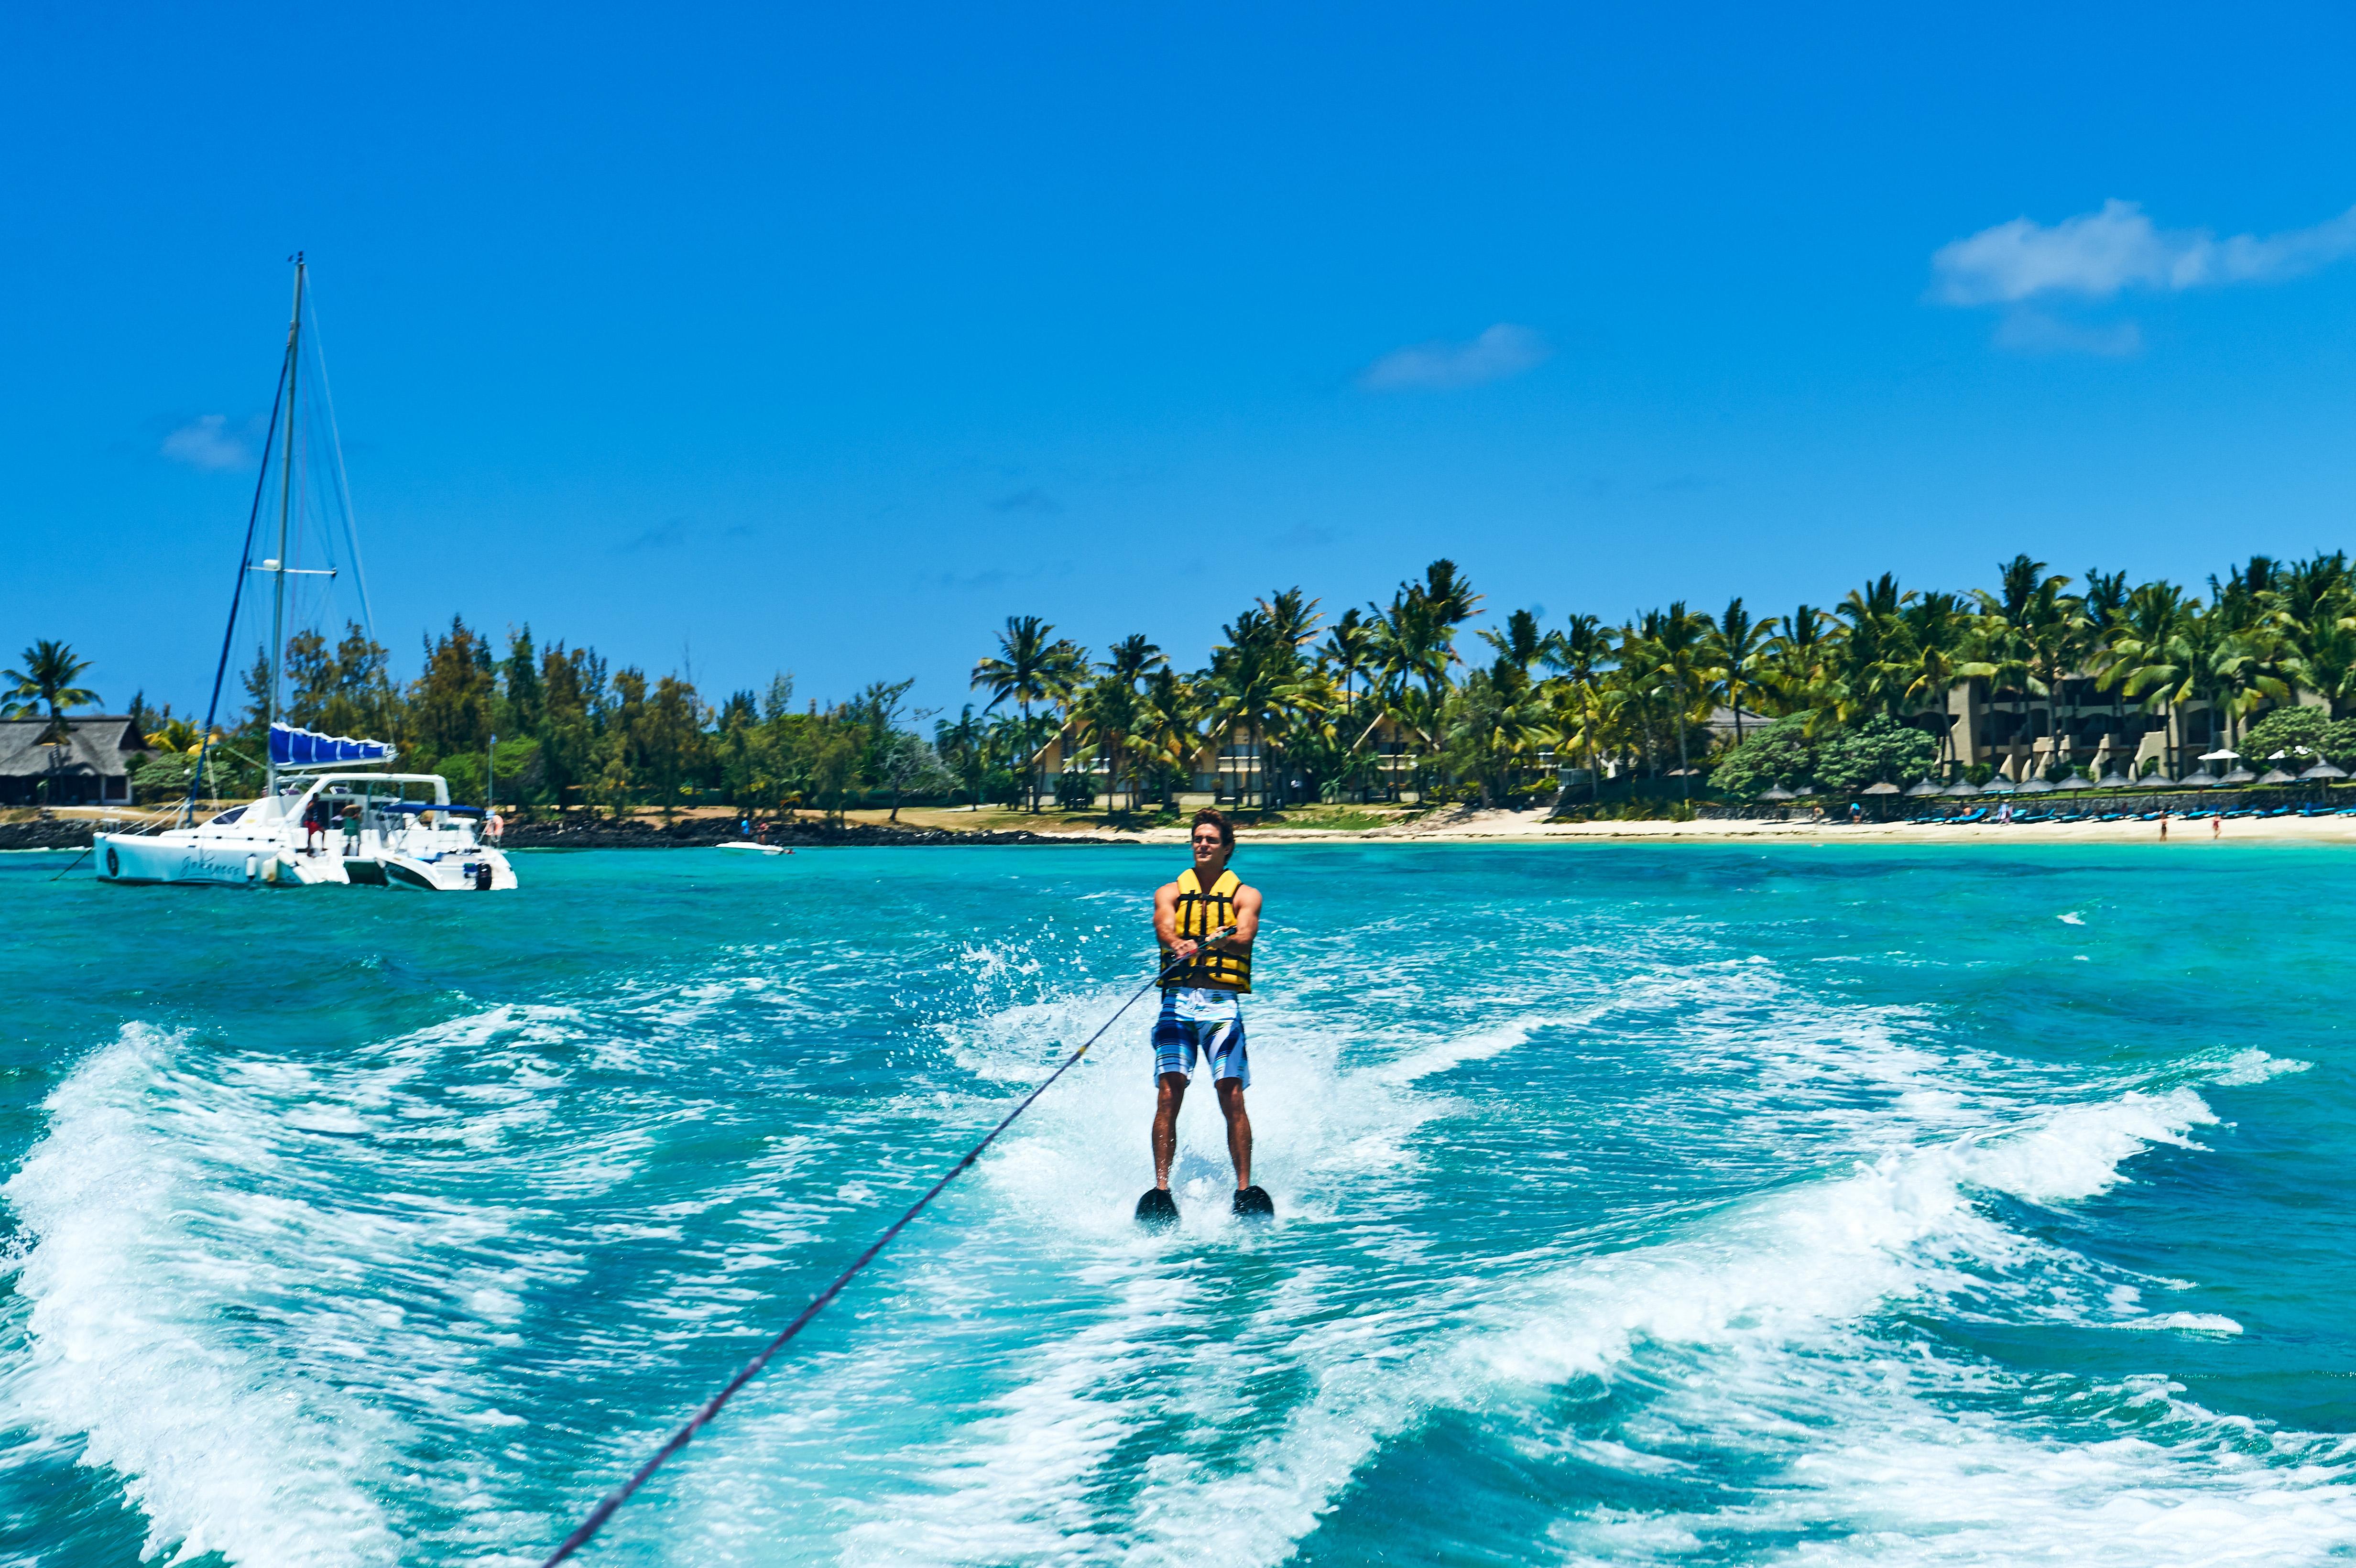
{"type": "Point", "coordinates": [746, 845]}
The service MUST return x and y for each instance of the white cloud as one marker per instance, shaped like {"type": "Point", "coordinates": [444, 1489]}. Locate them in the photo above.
{"type": "Point", "coordinates": [2097, 255]}
{"type": "Point", "coordinates": [1503, 350]}
{"type": "Point", "coordinates": [208, 442]}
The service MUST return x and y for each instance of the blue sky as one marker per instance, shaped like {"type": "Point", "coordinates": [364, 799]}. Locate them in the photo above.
{"type": "Point", "coordinates": [822, 342]}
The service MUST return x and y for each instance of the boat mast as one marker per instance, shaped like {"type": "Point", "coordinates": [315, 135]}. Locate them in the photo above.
{"type": "Point", "coordinates": [285, 511]}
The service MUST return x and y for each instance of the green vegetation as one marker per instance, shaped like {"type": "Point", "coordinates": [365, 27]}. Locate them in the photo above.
{"type": "Point", "coordinates": [45, 684]}
{"type": "Point", "coordinates": [1296, 711]}
{"type": "Point", "coordinates": [1817, 700]}
{"type": "Point", "coordinates": [1833, 699]}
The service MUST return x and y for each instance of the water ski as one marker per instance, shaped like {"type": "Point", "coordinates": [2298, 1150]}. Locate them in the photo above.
{"type": "Point", "coordinates": [1157, 1211]}
{"type": "Point", "coordinates": [1254, 1203]}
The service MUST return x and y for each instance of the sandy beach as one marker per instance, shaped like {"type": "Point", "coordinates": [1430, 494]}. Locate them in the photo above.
{"type": "Point", "coordinates": [1529, 828]}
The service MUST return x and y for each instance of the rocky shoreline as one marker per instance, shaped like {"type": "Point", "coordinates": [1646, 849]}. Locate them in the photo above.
{"type": "Point", "coordinates": [634, 833]}
{"type": "Point", "coordinates": [703, 832]}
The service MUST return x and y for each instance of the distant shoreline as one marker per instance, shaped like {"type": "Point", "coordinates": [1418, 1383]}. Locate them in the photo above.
{"type": "Point", "coordinates": [1458, 825]}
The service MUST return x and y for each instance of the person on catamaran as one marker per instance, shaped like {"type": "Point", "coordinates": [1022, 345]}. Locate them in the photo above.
{"type": "Point", "coordinates": [1206, 922]}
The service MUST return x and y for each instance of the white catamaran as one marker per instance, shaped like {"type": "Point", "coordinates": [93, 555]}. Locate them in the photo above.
{"type": "Point", "coordinates": [318, 820]}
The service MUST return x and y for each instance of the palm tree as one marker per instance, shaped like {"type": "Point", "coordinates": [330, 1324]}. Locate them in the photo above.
{"type": "Point", "coordinates": [1254, 681]}
{"type": "Point", "coordinates": [1166, 730]}
{"type": "Point", "coordinates": [1939, 654]}
{"type": "Point", "coordinates": [2138, 662]}
{"type": "Point", "coordinates": [1494, 720]}
{"type": "Point", "coordinates": [1029, 668]}
{"type": "Point", "coordinates": [1519, 642]}
{"type": "Point", "coordinates": [2026, 626]}
{"type": "Point", "coordinates": [1108, 712]}
{"type": "Point", "coordinates": [48, 681]}
{"type": "Point", "coordinates": [1869, 658]}
{"type": "Point", "coordinates": [1349, 649]}
{"type": "Point", "coordinates": [1578, 653]}
{"type": "Point", "coordinates": [1668, 651]}
{"type": "Point", "coordinates": [1736, 647]}
{"type": "Point", "coordinates": [1132, 658]}
{"type": "Point", "coordinates": [1107, 716]}
{"type": "Point", "coordinates": [1798, 655]}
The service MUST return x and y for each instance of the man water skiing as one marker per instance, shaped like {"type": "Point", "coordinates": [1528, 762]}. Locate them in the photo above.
{"type": "Point", "coordinates": [1206, 922]}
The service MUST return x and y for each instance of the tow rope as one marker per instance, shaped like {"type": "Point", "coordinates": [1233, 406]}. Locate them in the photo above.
{"type": "Point", "coordinates": [752, 1368]}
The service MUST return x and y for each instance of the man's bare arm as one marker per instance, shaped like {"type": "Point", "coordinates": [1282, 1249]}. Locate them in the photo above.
{"type": "Point", "coordinates": [1165, 922]}
{"type": "Point", "coordinates": [1246, 920]}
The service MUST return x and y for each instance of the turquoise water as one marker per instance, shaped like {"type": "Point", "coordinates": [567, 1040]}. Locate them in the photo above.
{"type": "Point", "coordinates": [1637, 1205]}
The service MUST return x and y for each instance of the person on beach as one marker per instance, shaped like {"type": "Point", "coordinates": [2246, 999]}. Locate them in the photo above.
{"type": "Point", "coordinates": [1202, 1007]}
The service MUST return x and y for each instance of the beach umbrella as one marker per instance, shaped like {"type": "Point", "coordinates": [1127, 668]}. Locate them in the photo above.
{"type": "Point", "coordinates": [1961, 786]}
{"type": "Point", "coordinates": [2077, 780]}
{"type": "Point", "coordinates": [1776, 792]}
{"type": "Point", "coordinates": [2035, 786]}
{"type": "Point", "coordinates": [2239, 776]}
{"type": "Point", "coordinates": [1881, 789]}
{"type": "Point", "coordinates": [2277, 776]}
{"type": "Point", "coordinates": [2325, 771]}
{"type": "Point", "coordinates": [2220, 756]}
{"type": "Point", "coordinates": [2114, 780]}
{"type": "Point", "coordinates": [2199, 778]}
{"type": "Point", "coordinates": [1999, 785]}
{"type": "Point", "coordinates": [2158, 781]}
{"type": "Point", "coordinates": [1926, 786]}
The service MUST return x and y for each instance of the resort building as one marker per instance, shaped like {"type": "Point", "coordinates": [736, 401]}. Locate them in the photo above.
{"type": "Point", "coordinates": [89, 766]}
{"type": "Point", "coordinates": [2021, 735]}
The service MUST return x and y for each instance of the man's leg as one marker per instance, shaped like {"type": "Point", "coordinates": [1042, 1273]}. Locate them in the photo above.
{"type": "Point", "coordinates": [1165, 1126]}
{"type": "Point", "coordinates": [1231, 1105]}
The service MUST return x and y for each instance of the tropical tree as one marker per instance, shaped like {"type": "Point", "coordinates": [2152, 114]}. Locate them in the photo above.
{"type": "Point", "coordinates": [47, 681]}
{"type": "Point", "coordinates": [2025, 633]}
{"type": "Point", "coordinates": [2137, 661]}
{"type": "Point", "coordinates": [1494, 721]}
{"type": "Point", "coordinates": [960, 747]}
{"type": "Point", "coordinates": [1165, 733]}
{"type": "Point", "coordinates": [1939, 657]}
{"type": "Point", "coordinates": [1031, 666]}
{"type": "Point", "coordinates": [1870, 657]}
{"type": "Point", "coordinates": [1106, 717]}
{"type": "Point", "coordinates": [1348, 651]}
{"type": "Point", "coordinates": [1799, 656]}
{"type": "Point", "coordinates": [1254, 677]}
{"type": "Point", "coordinates": [1668, 652]}
{"type": "Point", "coordinates": [1736, 650]}
{"type": "Point", "coordinates": [1579, 654]}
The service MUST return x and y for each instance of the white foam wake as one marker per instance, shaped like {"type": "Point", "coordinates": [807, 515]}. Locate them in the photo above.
{"type": "Point", "coordinates": [219, 1447]}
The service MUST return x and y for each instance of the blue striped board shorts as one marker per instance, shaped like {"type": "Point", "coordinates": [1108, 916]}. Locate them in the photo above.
{"type": "Point", "coordinates": [1197, 1018]}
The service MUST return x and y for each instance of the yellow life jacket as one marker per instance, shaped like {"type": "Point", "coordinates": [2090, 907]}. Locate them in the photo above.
{"type": "Point", "coordinates": [1200, 914]}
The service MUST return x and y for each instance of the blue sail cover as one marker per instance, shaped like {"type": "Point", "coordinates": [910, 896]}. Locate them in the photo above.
{"type": "Point", "coordinates": [292, 748]}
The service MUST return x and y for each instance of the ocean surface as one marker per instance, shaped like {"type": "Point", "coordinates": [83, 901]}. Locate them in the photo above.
{"type": "Point", "coordinates": [1636, 1204]}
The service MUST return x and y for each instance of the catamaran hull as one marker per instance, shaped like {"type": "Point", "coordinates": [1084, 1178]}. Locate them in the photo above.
{"type": "Point", "coordinates": [214, 861]}
{"type": "Point", "coordinates": [127, 858]}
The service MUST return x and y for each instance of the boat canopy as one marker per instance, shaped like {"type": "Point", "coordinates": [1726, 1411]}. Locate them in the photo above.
{"type": "Point", "coordinates": [428, 805]}
{"type": "Point", "coordinates": [294, 748]}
